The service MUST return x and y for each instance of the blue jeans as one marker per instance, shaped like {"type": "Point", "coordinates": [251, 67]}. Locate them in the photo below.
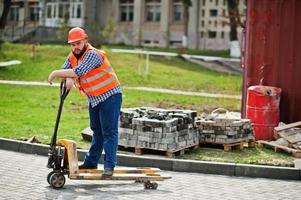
{"type": "Point", "coordinates": [104, 123]}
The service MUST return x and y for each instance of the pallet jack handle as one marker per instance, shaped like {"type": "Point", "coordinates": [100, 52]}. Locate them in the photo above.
{"type": "Point", "coordinates": [63, 94]}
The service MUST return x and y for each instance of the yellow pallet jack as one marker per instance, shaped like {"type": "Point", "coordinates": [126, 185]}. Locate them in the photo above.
{"type": "Point", "coordinates": [63, 159]}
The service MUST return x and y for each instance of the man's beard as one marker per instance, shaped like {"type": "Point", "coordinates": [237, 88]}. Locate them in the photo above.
{"type": "Point", "coordinates": [79, 55]}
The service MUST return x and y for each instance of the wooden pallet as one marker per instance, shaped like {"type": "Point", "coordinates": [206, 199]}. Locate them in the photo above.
{"type": "Point", "coordinates": [167, 153]}
{"type": "Point", "coordinates": [291, 133]}
{"type": "Point", "coordinates": [232, 146]}
{"type": "Point", "coordinates": [229, 147]}
{"type": "Point", "coordinates": [280, 148]}
{"type": "Point", "coordinates": [249, 143]}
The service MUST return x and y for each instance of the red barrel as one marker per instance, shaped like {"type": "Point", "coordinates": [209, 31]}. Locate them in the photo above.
{"type": "Point", "coordinates": [263, 110]}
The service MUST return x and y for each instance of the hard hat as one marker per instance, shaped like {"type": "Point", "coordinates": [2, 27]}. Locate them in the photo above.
{"type": "Point", "coordinates": [76, 34]}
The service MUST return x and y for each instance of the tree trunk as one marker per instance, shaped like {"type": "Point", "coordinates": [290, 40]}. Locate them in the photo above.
{"type": "Point", "coordinates": [232, 8]}
{"type": "Point", "coordinates": [185, 19]}
{"type": "Point", "coordinates": [233, 16]}
{"type": "Point", "coordinates": [6, 6]}
{"type": "Point", "coordinates": [186, 4]}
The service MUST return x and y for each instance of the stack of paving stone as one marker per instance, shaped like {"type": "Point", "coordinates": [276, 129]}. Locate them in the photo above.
{"type": "Point", "coordinates": [158, 129]}
{"type": "Point", "coordinates": [225, 128]}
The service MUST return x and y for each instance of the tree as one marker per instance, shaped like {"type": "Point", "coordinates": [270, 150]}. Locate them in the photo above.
{"type": "Point", "coordinates": [63, 29]}
{"type": "Point", "coordinates": [3, 19]}
{"type": "Point", "coordinates": [186, 4]}
{"type": "Point", "coordinates": [93, 30]}
{"type": "Point", "coordinates": [234, 21]}
{"type": "Point", "coordinates": [109, 30]}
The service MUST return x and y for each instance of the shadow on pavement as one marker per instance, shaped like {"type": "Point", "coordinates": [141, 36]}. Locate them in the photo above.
{"type": "Point", "coordinates": [103, 190]}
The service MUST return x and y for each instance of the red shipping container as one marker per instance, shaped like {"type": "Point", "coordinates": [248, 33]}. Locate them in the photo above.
{"type": "Point", "coordinates": [271, 52]}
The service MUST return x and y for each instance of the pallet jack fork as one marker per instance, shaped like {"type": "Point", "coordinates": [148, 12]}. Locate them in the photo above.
{"type": "Point", "coordinates": [63, 159]}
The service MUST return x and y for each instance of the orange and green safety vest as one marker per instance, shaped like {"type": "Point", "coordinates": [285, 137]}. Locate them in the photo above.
{"type": "Point", "coordinates": [98, 80]}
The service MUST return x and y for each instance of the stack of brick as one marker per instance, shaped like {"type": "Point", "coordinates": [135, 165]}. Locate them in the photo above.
{"type": "Point", "coordinates": [158, 129]}
{"type": "Point", "coordinates": [224, 128]}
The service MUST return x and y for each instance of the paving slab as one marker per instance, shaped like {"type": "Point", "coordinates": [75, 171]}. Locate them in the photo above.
{"type": "Point", "coordinates": [23, 176]}
{"type": "Point", "coordinates": [207, 167]}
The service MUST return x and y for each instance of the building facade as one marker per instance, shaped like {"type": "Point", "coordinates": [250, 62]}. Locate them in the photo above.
{"type": "Point", "coordinates": [161, 23]}
{"type": "Point", "coordinates": [22, 19]}
{"type": "Point", "coordinates": [23, 11]}
{"type": "Point", "coordinates": [143, 22]}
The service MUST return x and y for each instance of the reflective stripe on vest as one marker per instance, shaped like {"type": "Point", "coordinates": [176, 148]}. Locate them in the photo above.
{"type": "Point", "coordinates": [108, 69]}
{"type": "Point", "coordinates": [101, 84]}
{"type": "Point", "coordinates": [99, 80]}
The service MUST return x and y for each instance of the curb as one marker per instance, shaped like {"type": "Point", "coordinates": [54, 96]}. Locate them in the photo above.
{"type": "Point", "coordinates": [179, 165]}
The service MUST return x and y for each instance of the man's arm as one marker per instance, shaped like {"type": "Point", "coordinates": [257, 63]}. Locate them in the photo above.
{"type": "Point", "coordinates": [91, 61]}
{"type": "Point", "coordinates": [62, 73]}
{"type": "Point", "coordinates": [69, 81]}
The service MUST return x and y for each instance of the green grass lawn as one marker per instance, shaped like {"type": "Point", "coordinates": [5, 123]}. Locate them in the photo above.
{"type": "Point", "coordinates": [164, 72]}
{"type": "Point", "coordinates": [256, 155]}
{"type": "Point", "coordinates": [27, 111]}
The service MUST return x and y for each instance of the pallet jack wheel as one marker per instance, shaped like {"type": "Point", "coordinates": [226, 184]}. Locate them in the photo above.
{"type": "Point", "coordinates": [154, 185]}
{"type": "Point", "coordinates": [48, 176]}
{"type": "Point", "coordinates": [150, 185]}
{"type": "Point", "coordinates": [57, 180]}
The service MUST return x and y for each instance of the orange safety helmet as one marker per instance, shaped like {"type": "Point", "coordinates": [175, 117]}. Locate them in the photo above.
{"type": "Point", "coordinates": [76, 34]}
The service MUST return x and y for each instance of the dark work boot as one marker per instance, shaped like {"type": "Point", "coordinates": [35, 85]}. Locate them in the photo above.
{"type": "Point", "coordinates": [86, 165]}
{"type": "Point", "coordinates": [107, 173]}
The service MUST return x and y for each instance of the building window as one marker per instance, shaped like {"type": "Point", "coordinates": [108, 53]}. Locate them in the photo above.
{"type": "Point", "coordinates": [34, 13]}
{"type": "Point", "coordinates": [223, 24]}
{"type": "Point", "coordinates": [209, 22]}
{"type": "Point", "coordinates": [178, 10]}
{"type": "Point", "coordinates": [213, 13]}
{"type": "Point", "coordinates": [14, 13]}
{"type": "Point", "coordinates": [216, 2]}
{"type": "Point", "coordinates": [212, 34]}
{"type": "Point", "coordinates": [54, 11]}
{"type": "Point", "coordinates": [126, 10]}
{"type": "Point", "coordinates": [150, 42]}
{"type": "Point", "coordinates": [204, 2]}
{"type": "Point", "coordinates": [64, 10]}
{"type": "Point", "coordinates": [76, 10]}
{"type": "Point", "coordinates": [48, 11]}
{"type": "Point", "coordinates": [203, 23]}
{"type": "Point", "coordinates": [202, 34]}
{"type": "Point", "coordinates": [153, 10]}
{"type": "Point", "coordinates": [222, 34]}
{"type": "Point", "coordinates": [224, 2]}
{"type": "Point", "coordinates": [203, 13]}
{"type": "Point", "coordinates": [176, 43]}
{"type": "Point", "coordinates": [51, 10]}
